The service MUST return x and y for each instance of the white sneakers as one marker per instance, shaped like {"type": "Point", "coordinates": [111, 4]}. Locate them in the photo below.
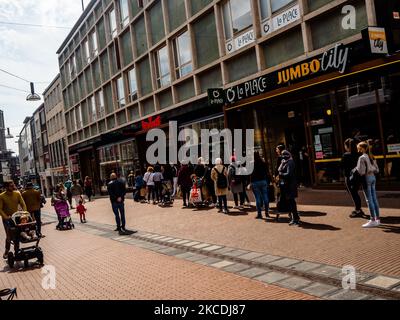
{"type": "Point", "coordinates": [372, 224]}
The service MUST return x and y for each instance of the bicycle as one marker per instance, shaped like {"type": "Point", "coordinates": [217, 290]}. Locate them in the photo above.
{"type": "Point", "coordinates": [9, 293]}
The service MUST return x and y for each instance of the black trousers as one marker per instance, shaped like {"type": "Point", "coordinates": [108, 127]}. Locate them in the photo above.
{"type": "Point", "coordinates": [8, 238]}
{"type": "Point", "coordinates": [353, 190]}
{"type": "Point", "coordinates": [292, 206]}
{"type": "Point", "coordinates": [158, 190]}
{"type": "Point", "coordinates": [150, 193]}
{"type": "Point", "coordinates": [222, 200]}
{"type": "Point", "coordinates": [185, 195]}
{"type": "Point", "coordinates": [236, 198]}
{"type": "Point", "coordinates": [38, 218]}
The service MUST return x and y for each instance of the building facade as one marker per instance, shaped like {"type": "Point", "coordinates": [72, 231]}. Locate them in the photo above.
{"type": "Point", "coordinates": [298, 72]}
{"type": "Point", "coordinates": [59, 170]}
{"type": "Point", "coordinates": [26, 153]}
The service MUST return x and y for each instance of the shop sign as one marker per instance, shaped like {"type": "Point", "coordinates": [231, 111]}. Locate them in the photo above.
{"type": "Point", "coordinates": [394, 148]}
{"type": "Point", "coordinates": [396, 15]}
{"type": "Point", "coordinates": [151, 123]}
{"type": "Point", "coordinates": [281, 20]}
{"type": "Point", "coordinates": [240, 41]}
{"type": "Point", "coordinates": [377, 40]}
{"type": "Point", "coordinates": [216, 97]}
{"type": "Point", "coordinates": [334, 59]}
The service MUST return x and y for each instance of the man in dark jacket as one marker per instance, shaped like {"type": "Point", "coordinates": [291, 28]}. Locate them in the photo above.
{"type": "Point", "coordinates": [117, 191]}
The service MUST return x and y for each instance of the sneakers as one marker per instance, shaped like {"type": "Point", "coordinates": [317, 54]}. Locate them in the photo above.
{"type": "Point", "coordinates": [371, 224]}
{"type": "Point", "coordinates": [259, 217]}
{"type": "Point", "coordinates": [356, 214]}
{"type": "Point", "coordinates": [294, 223]}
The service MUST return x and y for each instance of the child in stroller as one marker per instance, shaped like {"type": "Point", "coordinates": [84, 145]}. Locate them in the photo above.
{"type": "Point", "coordinates": [23, 230]}
{"type": "Point", "coordinates": [166, 197]}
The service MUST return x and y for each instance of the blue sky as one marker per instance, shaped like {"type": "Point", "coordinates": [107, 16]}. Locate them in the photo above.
{"type": "Point", "coordinates": [30, 52]}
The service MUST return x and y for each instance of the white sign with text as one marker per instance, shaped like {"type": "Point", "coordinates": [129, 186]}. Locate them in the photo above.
{"type": "Point", "coordinates": [281, 20]}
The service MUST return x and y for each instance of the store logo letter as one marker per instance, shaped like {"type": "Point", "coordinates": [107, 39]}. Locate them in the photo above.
{"type": "Point", "coordinates": [349, 21]}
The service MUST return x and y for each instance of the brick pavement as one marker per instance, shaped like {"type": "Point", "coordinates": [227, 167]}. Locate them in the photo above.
{"type": "Point", "coordinates": [327, 234]}
{"type": "Point", "coordinates": [93, 267]}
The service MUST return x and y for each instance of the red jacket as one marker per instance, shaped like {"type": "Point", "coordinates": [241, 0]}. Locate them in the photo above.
{"type": "Point", "coordinates": [81, 209]}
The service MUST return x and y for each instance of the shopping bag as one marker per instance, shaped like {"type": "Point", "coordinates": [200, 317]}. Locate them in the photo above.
{"type": "Point", "coordinates": [143, 192]}
{"type": "Point", "coordinates": [195, 195]}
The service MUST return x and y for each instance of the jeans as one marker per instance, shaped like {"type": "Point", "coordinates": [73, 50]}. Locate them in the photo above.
{"type": "Point", "coordinates": [370, 196]}
{"type": "Point", "coordinates": [37, 215]}
{"type": "Point", "coordinates": [260, 190]}
{"type": "Point", "coordinates": [353, 190]}
{"type": "Point", "coordinates": [222, 200]}
{"type": "Point", "coordinates": [119, 212]}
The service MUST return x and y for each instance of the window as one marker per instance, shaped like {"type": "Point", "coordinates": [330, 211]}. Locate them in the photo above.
{"type": "Point", "coordinates": [278, 4]}
{"type": "Point", "coordinates": [93, 42]}
{"type": "Point", "coordinates": [124, 10]}
{"type": "Point", "coordinates": [157, 23]}
{"type": "Point", "coordinates": [100, 101]}
{"type": "Point", "coordinates": [237, 17]}
{"type": "Point", "coordinates": [78, 117]}
{"type": "Point", "coordinates": [183, 55]}
{"type": "Point", "coordinates": [176, 13]}
{"type": "Point", "coordinates": [163, 70]}
{"type": "Point", "coordinates": [93, 111]}
{"type": "Point", "coordinates": [121, 93]}
{"type": "Point", "coordinates": [87, 51]}
{"type": "Point", "coordinates": [140, 37]}
{"type": "Point", "coordinates": [265, 9]}
{"type": "Point", "coordinates": [132, 85]}
{"type": "Point", "coordinates": [112, 23]}
{"type": "Point", "coordinates": [206, 51]}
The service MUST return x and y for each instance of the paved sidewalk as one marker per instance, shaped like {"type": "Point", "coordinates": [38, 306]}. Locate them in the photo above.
{"type": "Point", "coordinates": [89, 266]}
{"type": "Point", "coordinates": [327, 236]}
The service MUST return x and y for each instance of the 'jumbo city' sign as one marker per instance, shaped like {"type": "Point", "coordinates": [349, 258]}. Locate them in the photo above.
{"type": "Point", "coordinates": [336, 59]}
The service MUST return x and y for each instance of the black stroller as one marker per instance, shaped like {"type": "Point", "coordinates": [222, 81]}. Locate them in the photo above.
{"type": "Point", "coordinates": [27, 253]}
{"type": "Point", "coordinates": [166, 195]}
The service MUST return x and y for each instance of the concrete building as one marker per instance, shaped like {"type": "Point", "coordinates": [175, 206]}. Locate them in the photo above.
{"type": "Point", "coordinates": [26, 152]}
{"type": "Point", "coordinates": [305, 73]}
{"type": "Point", "coordinates": [59, 169]}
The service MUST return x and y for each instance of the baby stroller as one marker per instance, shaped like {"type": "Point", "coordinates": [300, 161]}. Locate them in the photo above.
{"type": "Point", "coordinates": [166, 197]}
{"type": "Point", "coordinates": [27, 253]}
{"type": "Point", "coordinates": [64, 218]}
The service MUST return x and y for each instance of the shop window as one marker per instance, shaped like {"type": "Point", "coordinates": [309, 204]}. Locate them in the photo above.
{"type": "Point", "coordinates": [148, 107]}
{"type": "Point", "coordinates": [162, 65]}
{"type": "Point", "coordinates": [176, 13]}
{"type": "Point", "coordinates": [124, 12]}
{"type": "Point", "coordinates": [185, 90]}
{"type": "Point", "coordinates": [197, 5]}
{"type": "Point", "coordinates": [156, 23]}
{"type": "Point", "coordinates": [165, 99]}
{"type": "Point", "coordinates": [102, 34]}
{"type": "Point", "coordinates": [242, 66]}
{"type": "Point", "coordinates": [316, 4]}
{"type": "Point", "coordinates": [112, 24]}
{"type": "Point", "coordinates": [237, 17]}
{"type": "Point", "coordinates": [132, 85]}
{"type": "Point", "coordinates": [105, 67]}
{"type": "Point", "coordinates": [328, 28]}
{"type": "Point", "coordinates": [284, 48]}
{"type": "Point", "coordinates": [183, 55]}
{"type": "Point", "coordinates": [145, 77]}
{"type": "Point", "coordinates": [121, 100]}
{"type": "Point", "coordinates": [140, 37]}
{"type": "Point", "coordinates": [127, 54]}
{"type": "Point", "coordinates": [206, 46]}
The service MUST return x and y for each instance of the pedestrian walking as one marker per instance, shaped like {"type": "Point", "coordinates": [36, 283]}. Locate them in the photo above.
{"type": "Point", "coordinates": [117, 191]}
{"type": "Point", "coordinates": [185, 182]}
{"type": "Point", "coordinates": [81, 209]}
{"type": "Point", "coordinates": [68, 186]}
{"type": "Point", "coordinates": [259, 185]}
{"type": "Point", "coordinates": [10, 200]}
{"type": "Point", "coordinates": [367, 168]}
{"type": "Point", "coordinates": [33, 201]}
{"type": "Point", "coordinates": [149, 180]}
{"type": "Point", "coordinates": [288, 186]}
{"type": "Point", "coordinates": [352, 181]}
{"type": "Point", "coordinates": [236, 183]}
{"type": "Point", "coordinates": [220, 177]}
{"type": "Point", "coordinates": [76, 191]}
{"type": "Point", "coordinates": [88, 188]}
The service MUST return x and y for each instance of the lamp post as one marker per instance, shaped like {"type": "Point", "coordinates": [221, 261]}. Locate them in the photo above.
{"type": "Point", "coordinates": [33, 96]}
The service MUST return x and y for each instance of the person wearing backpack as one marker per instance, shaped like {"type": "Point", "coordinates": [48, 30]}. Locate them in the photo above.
{"type": "Point", "coordinates": [367, 167]}
{"type": "Point", "coordinates": [220, 177]}
{"type": "Point", "coordinates": [236, 183]}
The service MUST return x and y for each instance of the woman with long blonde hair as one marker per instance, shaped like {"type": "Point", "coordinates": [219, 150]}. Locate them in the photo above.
{"type": "Point", "coordinates": [368, 168]}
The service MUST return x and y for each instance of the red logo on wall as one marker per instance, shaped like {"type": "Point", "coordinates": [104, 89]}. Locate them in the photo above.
{"type": "Point", "coordinates": [151, 124]}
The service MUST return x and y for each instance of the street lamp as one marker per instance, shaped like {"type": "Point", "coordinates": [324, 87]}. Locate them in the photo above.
{"type": "Point", "coordinates": [33, 96]}
{"type": "Point", "coordinates": [9, 135]}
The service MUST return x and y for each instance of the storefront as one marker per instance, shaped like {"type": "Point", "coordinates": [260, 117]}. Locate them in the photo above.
{"type": "Point", "coordinates": [314, 114]}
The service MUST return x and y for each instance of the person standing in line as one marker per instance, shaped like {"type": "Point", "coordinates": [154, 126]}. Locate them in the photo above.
{"type": "Point", "coordinates": [33, 202]}
{"type": "Point", "coordinates": [367, 167]}
{"type": "Point", "coordinates": [236, 183]}
{"type": "Point", "coordinates": [158, 178]}
{"type": "Point", "coordinates": [185, 182]}
{"type": "Point", "coordinates": [117, 191]}
{"type": "Point", "coordinates": [88, 188]}
{"type": "Point", "coordinates": [149, 180]}
{"type": "Point", "coordinates": [68, 185]}
{"type": "Point", "coordinates": [76, 191]}
{"type": "Point", "coordinates": [259, 184]}
{"type": "Point", "coordinates": [174, 170]}
{"type": "Point", "coordinates": [245, 182]}
{"type": "Point", "coordinates": [210, 185]}
{"type": "Point", "coordinates": [139, 185]}
{"type": "Point", "coordinates": [288, 185]}
{"type": "Point", "coordinates": [220, 177]}
{"type": "Point", "coordinates": [10, 199]}
{"type": "Point", "coordinates": [352, 182]}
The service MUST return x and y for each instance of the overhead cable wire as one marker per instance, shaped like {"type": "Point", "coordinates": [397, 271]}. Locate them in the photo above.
{"type": "Point", "coordinates": [33, 25]}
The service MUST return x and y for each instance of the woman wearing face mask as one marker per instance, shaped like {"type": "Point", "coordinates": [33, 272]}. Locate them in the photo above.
{"type": "Point", "coordinates": [288, 185]}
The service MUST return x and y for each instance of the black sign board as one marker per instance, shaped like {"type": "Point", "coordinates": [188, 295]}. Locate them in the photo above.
{"type": "Point", "coordinates": [216, 97]}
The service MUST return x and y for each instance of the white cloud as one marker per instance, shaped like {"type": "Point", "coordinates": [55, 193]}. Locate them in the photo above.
{"type": "Point", "coordinates": [30, 52]}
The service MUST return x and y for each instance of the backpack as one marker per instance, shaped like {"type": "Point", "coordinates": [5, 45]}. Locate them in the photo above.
{"type": "Point", "coordinates": [222, 181]}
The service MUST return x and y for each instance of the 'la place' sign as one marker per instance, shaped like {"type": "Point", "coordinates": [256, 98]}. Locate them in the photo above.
{"type": "Point", "coordinates": [335, 59]}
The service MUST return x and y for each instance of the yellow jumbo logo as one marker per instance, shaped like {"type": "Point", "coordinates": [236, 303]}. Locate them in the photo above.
{"type": "Point", "coordinates": [299, 71]}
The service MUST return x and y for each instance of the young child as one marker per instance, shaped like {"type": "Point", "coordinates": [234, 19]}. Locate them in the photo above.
{"type": "Point", "coordinates": [81, 210]}
{"type": "Point", "coordinates": [27, 233]}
